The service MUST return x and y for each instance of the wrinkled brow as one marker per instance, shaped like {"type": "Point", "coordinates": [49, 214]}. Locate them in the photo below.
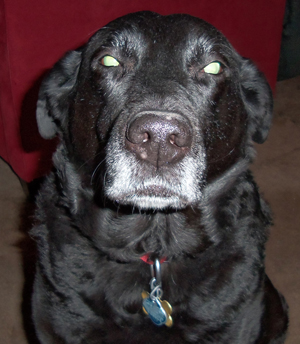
{"type": "Point", "coordinates": [128, 40]}
{"type": "Point", "coordinates": [204, 44]}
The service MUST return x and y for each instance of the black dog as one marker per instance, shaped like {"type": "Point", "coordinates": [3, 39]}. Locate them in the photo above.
{"type": "Point", "coordinates": [156, 117]}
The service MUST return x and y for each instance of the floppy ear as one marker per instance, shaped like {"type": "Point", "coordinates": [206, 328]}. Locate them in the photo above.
{"type": "Point", "coordinates": [258, 101]}
{"type": "Point", "coordinates": [53, 100]}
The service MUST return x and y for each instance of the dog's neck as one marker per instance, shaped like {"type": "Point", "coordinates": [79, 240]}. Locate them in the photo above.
{"type": "Point", "coordinates": [173, 234]}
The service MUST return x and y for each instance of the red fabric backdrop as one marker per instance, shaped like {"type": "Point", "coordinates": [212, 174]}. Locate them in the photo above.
{"type": "Point", "coordinates": [34, 34]}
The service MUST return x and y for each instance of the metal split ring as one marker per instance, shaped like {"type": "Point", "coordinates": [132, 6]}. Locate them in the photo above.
{"type": "Point", "coordinates": [156, 272]}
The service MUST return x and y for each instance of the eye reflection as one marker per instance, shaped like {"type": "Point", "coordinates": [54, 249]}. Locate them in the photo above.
{"type": "Point", "coordinates": [213, 68]}
{"type": "Point", "coordinates": [109, 61]}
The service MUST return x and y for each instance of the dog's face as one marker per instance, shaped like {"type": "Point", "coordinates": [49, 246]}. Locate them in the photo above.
{"type": "Point", "coordinates": [158, 106]}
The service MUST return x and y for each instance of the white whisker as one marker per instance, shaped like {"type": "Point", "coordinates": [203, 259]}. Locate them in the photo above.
{"type": "Point", "coordinates": [96, 169]}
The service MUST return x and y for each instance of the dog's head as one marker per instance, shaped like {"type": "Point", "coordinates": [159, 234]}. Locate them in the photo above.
{"type": "Point", "coordinates": [158, 106]}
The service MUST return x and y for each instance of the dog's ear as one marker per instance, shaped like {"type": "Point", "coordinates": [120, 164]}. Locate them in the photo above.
{"type": "Point", "coordinates": [258, 100]}
{"type": "Point", "coordinates": [53, 100]}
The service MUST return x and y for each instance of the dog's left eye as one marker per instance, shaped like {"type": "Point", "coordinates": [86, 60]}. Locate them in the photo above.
{"type": "Point", "coordinates": [213, 68]}
{"type": "Point", "coordinates": [109, 61]}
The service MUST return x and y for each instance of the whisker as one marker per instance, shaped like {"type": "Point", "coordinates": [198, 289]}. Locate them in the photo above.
{"type": "Point", "coordinates": [104, 178]}
{"type": "Point", "coordinates": [90, 159]}
{"type": "Point", "coordinates": [223, 157]}
{"type": "Point", "coordinates": [96, 169]}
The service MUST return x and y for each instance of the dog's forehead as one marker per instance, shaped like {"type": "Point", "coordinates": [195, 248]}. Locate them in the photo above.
{"type": "Point", "coordinates": [171, 30]}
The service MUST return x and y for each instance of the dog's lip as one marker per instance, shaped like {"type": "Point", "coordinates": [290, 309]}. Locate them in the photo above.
{"type": "Point", "coordinates": [149, 191]}
{"type": "Point", "coordinates": [156, 197]}
{"type": "Point", "coordinates": [157, 191]}
{"type": "Point", "coordinates": [154, 190]}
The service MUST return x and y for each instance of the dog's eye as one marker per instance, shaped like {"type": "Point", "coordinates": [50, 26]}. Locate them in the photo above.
{"type": "Point", "coordinates": [109, 61]}
{"type": "Point", "coordinates": [213, 68]}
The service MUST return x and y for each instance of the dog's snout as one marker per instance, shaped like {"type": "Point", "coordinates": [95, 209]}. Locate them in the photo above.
{"type": "Point", "coordinates": [159, 138]}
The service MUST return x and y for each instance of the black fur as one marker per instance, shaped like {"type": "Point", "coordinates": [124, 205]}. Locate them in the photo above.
{"type": "Point", "coordinates": [190, 197]}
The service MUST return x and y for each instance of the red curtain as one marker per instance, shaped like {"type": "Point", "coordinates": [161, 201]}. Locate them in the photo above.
{"type": "Point", "coordinates": [35, 34]}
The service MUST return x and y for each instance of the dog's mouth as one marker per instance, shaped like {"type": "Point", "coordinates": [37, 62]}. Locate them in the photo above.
{"type": "Point", "coordinates": [152, 197]}
{"type": "Point", "coordinates": [154, 191]}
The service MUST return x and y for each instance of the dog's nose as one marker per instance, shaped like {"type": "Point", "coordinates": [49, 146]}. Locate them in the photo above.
{"type": "Point", "coordinates": [159, 138]}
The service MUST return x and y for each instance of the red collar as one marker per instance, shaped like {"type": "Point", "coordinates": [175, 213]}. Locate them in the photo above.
{"type": "Point", "coordinates": [146, 258]}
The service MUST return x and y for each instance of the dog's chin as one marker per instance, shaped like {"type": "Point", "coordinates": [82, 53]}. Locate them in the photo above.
{"type": "Point", "coordinates": [152, 197]}
{"type": "Point", "coordinates": [153, 202]}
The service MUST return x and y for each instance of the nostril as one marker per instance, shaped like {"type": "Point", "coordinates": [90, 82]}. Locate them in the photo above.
{"type": "Point", "coordinates": [172, 139]}
{"type": "Point", "coordinates": [146, 137]}
{"type": "Point", "coordinates": [137, 135]}
{"type": "Point", "coordinates": [180, 140]}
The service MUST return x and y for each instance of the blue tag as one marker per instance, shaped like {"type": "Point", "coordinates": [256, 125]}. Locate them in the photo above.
{"type": "Point", "coordinates": [155, 311]}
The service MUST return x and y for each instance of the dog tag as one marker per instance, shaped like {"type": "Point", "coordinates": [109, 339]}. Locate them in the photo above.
{"type": "Point", "coordinates": [158, 311]}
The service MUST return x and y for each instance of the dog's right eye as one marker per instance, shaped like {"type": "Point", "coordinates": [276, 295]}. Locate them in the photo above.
{"type": "Point", "coordinates": [213, 68]}
{"type": "Point", "coordinates": [109, 61]}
